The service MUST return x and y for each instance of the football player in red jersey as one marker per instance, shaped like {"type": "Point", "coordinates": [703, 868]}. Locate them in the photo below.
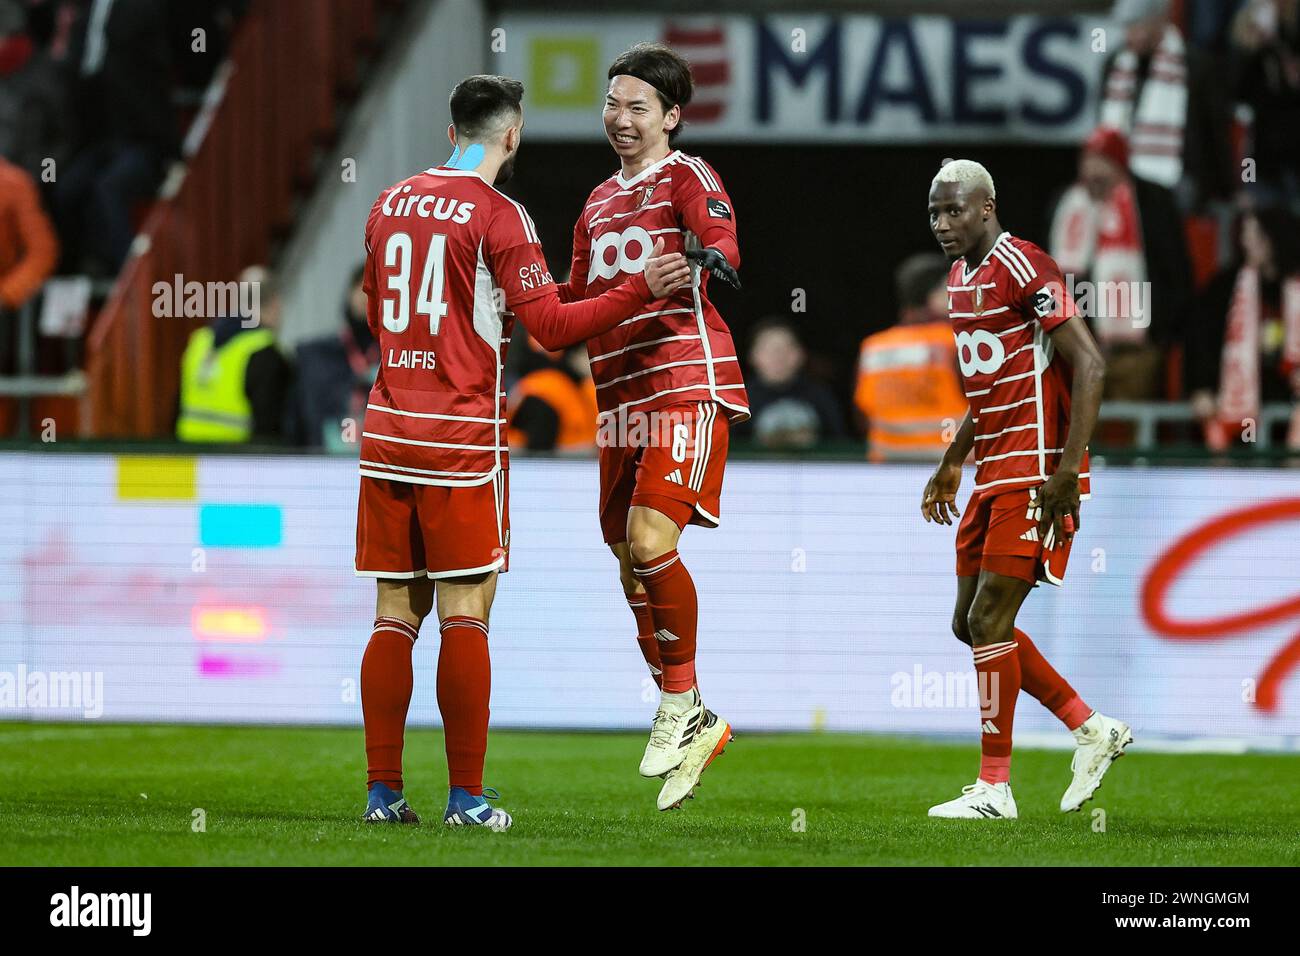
{"type": "Point", "coordinates": [1033, 376]}
{"type": "Point", "coordinates": [450, 264]}
{"type": "Point", "coordinates": [668, 382]}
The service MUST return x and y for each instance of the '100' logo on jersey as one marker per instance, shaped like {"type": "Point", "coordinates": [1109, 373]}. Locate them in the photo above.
{"type": "Point", "coordinates": [979, 352]}
{"type": "Point", "coordinates": [618, 243]}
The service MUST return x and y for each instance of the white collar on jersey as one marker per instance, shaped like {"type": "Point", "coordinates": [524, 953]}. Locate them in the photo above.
{"type": "Point", "coordinates": [438, 171]}
{"type": "Point", "coordinates": [967, 275]}
{"type": "Point", "coordinates": [647, 171]}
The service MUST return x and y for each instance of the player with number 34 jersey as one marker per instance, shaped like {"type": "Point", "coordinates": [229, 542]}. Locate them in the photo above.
{"type": "Point", "coordinates": [451, 262]}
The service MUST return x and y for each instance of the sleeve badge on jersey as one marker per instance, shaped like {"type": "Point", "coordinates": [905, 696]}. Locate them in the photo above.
{"type": "Point", "coordinates": [1045, 303]}
{"type": "Point", "coordinates": [718, 209]}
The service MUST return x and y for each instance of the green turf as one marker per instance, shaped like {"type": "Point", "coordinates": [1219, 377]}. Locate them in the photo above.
{"type": "Point", "coordinates": [113, 794]}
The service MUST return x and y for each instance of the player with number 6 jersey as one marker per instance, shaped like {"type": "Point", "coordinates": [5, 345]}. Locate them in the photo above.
{"type": "Point", "coordinates": [451, 262]}
{"type": "Point", "coordinates": [668, 382]}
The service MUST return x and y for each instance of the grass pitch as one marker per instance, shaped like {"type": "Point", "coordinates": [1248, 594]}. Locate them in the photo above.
{"type": "Point", "coordinates": [130, 795]}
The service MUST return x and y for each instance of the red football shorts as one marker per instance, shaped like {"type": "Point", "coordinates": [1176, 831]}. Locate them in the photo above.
{"type": "Point", "coordinates": [999, 533]}
{"type": "Point", "coordinates": [406, 530]}
{"type": "Point", "coordinates": [671, 460]}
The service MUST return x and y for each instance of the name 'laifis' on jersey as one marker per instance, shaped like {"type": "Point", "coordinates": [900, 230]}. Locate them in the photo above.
{"type": "Point", "coordinates": [1003, 311]}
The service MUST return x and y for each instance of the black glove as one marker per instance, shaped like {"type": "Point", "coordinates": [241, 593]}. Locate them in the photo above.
{"type": "Point", "coordinates": [716, 263]}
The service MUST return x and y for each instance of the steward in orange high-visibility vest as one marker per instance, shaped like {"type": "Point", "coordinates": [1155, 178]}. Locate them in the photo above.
{"type": "Point", "coordinates": [552, 409]}
{"type": "Point", "coordinates": [908, 386]}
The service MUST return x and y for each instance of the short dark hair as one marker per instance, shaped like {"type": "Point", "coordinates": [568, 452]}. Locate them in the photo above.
{"type": "Point", "coordinates": [918, 275]}
{"type": "Point", "coordinates": [478, 101]}
{"type": "Point", "coordinates": [774, 323]}
{"type": "Point", "coordinates": [664, 69]}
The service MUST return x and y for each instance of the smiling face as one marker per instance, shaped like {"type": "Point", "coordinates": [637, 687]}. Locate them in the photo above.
{"type": "Point", "coordinates": [635, 121]}
{"type": "Point", "coordinates": [957, 217]}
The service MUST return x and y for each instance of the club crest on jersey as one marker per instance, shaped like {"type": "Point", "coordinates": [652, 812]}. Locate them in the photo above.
{"type": "Point", "coordinates": [977, 301]}
{"type": "Point", "coordinates": [645, 192]}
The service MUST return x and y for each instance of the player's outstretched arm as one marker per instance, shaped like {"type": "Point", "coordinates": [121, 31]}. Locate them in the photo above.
{"type": "Point", "coordinates": [939, 501]}
{"type": "Point", "coordinates": [558, 325]}
{"type": "Point", "coordinates": [1059, 496]}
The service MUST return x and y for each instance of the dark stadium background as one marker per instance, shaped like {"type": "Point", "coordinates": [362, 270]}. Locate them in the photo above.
{"type": "Point", "coordinates": [830, 220]}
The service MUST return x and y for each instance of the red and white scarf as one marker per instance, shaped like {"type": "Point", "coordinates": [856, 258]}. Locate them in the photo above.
{"type": "Point", "coordinates": [1103, 240]}
{"type": "Point", "coordinates": [1155, 128]}
{"type": "Point", "coordinates": [1239, 376]}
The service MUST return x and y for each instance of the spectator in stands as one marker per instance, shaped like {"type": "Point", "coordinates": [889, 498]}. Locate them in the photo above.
{"type": "Point", "coordinates": [334, 375]}
{"type": "Point", "coordinates": [787, 408]}
{"type": "Point", "coordinates": [28, 249]}
{"type": "Point", "coordinates": [1245, 346]}
{"type": "Point", "coordinates": [1168, 100]}
{"type": "Point", "coordinates": [553, 405]}
{"type": "Point", "coordinates": [1123, 237]}
{"type": "Point", "coordinates": [234, 379]}
{"type": "Point", "coordinates": [1266, 64]}
{"type": "Point", "coordinates": [34, 125]}
{"type": "Point", "coordinates": [908, 387]}
{"type": "Point", "coordinates": [123, 88]}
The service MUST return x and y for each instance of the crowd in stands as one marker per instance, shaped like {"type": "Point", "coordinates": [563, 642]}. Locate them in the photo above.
{"type": "Point", "coordinates": [93, 98]}
{"type": "Point", "coordinates": [1182, 223]}
{"type": "Point", "coordinates": [1187, 192]}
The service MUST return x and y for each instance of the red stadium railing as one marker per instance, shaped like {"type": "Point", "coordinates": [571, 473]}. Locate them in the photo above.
{"type": "Point", "coordinates": [250, 149]}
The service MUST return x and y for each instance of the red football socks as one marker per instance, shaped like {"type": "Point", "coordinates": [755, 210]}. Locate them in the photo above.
{"type": "Point", "coordinates": [670, 593]}
{"type": "Point", "coordinates": [385, 697]}
{"type": "Point", "coordinates": [645, 637]}
{"type": "Point", "coordinates": [997, 669]}
{"type": "Point", "coordinates": [1041, 681]}
{"type": "Point", "coordinates": [464, 688]}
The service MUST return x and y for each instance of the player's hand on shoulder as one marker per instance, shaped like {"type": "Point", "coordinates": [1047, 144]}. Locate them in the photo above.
{"type": "Point", "coordinates": [939, 502]}
{"type": "Point", "coordinates": [665, 274]}
{"type": "Point", "coordinates": [717, 263]}
{"type": "Point", "coordinates": [1058, 501]}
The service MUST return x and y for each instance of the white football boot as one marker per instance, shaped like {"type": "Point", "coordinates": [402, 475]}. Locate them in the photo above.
{"type": "Point", "coordinates": [979, 801]}
{"type": "Point", "coordinates": [710, 740]}
{"type": "Point", "coordinates": [1099, 741]}
{"type": "Point", "coordinates": [675, 725]}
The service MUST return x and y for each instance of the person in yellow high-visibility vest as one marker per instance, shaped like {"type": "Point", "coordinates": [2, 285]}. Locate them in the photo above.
{"type": "Point", "coordinates": [908, 388]}
{"type": "Point", "coordinates": [233, 378]}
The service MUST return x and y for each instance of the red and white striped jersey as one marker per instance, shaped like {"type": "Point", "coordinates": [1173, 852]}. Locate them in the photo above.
{"type": "Point", "coordinates": [437, 246]}
{"type": "Point", "coordinates": [1002, 312]}
{"type": "Point", "coordinates": [678, 349]}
